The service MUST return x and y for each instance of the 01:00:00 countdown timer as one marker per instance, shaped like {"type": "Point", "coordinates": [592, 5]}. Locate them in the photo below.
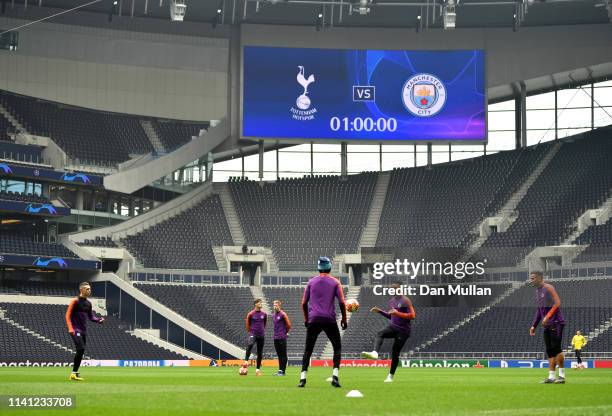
{"type": "Point", "coordinates": [362, 124]}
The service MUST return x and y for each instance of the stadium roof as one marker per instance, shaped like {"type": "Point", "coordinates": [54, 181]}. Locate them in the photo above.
{"type": "Point", "coordinates": [382, 13]}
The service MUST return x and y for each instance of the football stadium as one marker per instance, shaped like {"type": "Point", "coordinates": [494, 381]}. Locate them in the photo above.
{"type": "Point", "coordinates": [284, 207]}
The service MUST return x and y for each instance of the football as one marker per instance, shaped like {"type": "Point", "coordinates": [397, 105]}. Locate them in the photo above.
{"type": "Point", "coordinates": [352, 305]}
{"type": "Point", "coordinates": [244, 370]}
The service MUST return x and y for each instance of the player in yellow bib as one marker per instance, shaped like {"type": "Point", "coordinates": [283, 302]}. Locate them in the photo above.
{"type": "Point", "coordinates": [578, 341]}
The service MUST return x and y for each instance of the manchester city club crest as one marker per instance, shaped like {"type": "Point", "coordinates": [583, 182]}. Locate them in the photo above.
{"type": "Point", "coordinates": [424, 95]}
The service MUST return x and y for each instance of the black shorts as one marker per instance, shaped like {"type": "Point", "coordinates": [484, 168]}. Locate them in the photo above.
{"type": "Point", "coordinates": [255, 339]}
{"type": "Point", "coordinates": [330, 329]}
{"type": "Point", "coordinates": [391, 332]}
{"type": "Point", "coordinates": [80, 340]}
{"type": "Point", "coordinates": [553, 336]}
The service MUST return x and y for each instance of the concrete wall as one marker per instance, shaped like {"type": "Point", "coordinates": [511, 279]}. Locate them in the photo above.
{"type": "Point", "coordinates": [154, 74]}
{"type": "Point", "coordinates": [532, 53]}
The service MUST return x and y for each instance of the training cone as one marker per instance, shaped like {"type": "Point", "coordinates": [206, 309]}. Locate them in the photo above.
{"type": "Point", "coordinates": [354, 393]}
{"type": "Point", "coordinates": [329, 379]}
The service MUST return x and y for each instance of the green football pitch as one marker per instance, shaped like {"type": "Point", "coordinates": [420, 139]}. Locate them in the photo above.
{"type": "Point", "coordinates": [220, 391]}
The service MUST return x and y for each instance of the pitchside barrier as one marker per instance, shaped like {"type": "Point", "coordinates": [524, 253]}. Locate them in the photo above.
{"type": "Point", "coordinates": [419, 363]}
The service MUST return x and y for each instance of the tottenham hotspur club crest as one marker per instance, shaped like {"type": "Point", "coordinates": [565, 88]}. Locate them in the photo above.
{"type": "Point", "coordinates": [424, 95]}
{"type": "Point", "coordinates": [303, 102]}
{"type": "Point", "coordinates": [303, 112]}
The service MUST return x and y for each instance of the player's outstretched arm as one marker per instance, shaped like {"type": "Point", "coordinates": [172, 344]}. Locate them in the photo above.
{"type": "Point", "coordinates": [384, 313]}
{"type": "Point", "coordinates": [403, 315]}
{"type": "Point", "coordinates": [94, 318]}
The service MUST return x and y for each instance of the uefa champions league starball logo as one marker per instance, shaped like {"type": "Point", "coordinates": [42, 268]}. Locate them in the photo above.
{"type": "Point", "coordinates": [303, 112]}
{"type": "Point", "coordinates": [424, 95]}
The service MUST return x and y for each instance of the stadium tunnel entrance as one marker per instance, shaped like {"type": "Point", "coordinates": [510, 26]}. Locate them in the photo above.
{"type": "Point", "coordinates": [250, 272]}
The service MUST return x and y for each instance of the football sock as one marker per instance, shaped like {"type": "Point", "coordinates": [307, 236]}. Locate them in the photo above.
{"type": "Point", "coordinates": [303, 375]}
{"type": "Point", "coordinates": [551, 375]}
{"type": "Point", "coordinates": [562, 372]}
{"type": "Point", "coordinates": [335, 372]}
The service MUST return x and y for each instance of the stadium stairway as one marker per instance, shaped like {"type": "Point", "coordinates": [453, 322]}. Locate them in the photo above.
{"type": "Point", "coordinates": [259, 294]}
{"type": "Point", "coordinates": [328, 351]}
{"type": "Point", "coordinates": [137, 177]}
{"type": "Point", "coordinates": [113, 339]}
{"type": "Point", "coordinates": [16, 124]}
{"type": "Point", "coordinates": [508, 210]}
{"type": "Point", "coordinates": [183, 241]}
{"type": "Point", "coordinates": [35, 334]}
{"type": "Point", "coordinates": [80, 251]}
{"type": "Point", "coordinates": [98, 306]}
{"type": "Point", "coordinates": [511, 289]}
{"type": "Point", "coordinates": [142, 222]}
{"type": "Point", "coordinates": [370, 231]}
{"type": "Point", "coordinates": [510, 207]}
{"type": "Point", "coordinates": [137, 264]}
{"type": "Point", "coordinates": [280, 215]}
{"type": "Point", "coordinates": [592, 336]}
{"type": "Point", "coordinates": [231, 215]}
{"type": "Point", "coordinates": [152, 136]}
{"type": "Point", "coordinates": [602, 215]}
{"type": "Point", "coordinates": [271, 260]}
{"type": "Point", "coordinates": [172, 316]}
{"type": "Point", "coordinates": [220, 258]}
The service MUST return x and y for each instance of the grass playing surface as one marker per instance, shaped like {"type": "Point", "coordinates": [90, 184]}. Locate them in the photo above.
{"type": "Point", "coordinates": [220, 391]}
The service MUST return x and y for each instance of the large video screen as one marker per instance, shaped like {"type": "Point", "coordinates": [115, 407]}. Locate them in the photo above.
{"type": "Point", "coordinates": [362, 95]}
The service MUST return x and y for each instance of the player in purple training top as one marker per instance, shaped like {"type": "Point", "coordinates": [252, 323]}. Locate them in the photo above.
{"type": "Point", "coordinates": [320, 315]}
{"type": "Point", "coordinates": [256, 321]}
{"type": "Point", "coordinates": [549, 314]}
{"type": "Point", "coordinates": [282, 326]}
{"type": "Point", "coordinates": [400, 313]}
{"type": "Point", "coordinates": [79, 311]}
